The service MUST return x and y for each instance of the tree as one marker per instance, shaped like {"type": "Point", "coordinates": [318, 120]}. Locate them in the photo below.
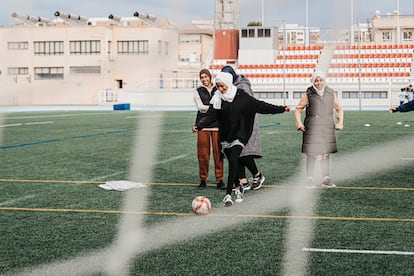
{"type": "Point", "coordinates": [254, 23]}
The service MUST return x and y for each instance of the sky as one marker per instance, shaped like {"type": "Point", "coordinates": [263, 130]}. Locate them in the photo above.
{"type": "Point", "coordinates": [326, 14]}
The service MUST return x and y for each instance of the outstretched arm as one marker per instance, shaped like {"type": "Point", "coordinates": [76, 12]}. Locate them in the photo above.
{"type": "Point", "coordinates": [404, 107]}
{"type": "Point", "coordinates": [263, 107]}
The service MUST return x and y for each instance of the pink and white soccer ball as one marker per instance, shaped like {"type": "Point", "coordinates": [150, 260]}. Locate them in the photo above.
{"type": "Point", "coordinates": [201, 205]}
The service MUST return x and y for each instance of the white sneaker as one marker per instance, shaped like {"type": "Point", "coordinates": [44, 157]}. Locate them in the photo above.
{"type": "Point", "coordinates": [227, 201]}
{"type": "Point", "coordinates": [239, 195]}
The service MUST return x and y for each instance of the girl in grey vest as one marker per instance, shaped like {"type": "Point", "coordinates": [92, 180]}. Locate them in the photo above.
{"type": "Point", "coordinates": [319, 126]}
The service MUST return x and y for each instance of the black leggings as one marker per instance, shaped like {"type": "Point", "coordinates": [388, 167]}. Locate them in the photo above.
{"type": "Point", "coordinates": [232, 155]}
{"type": "Point", "coordinates": [311, 161]}
{"type": "Point", "coordinates": [249, 163]}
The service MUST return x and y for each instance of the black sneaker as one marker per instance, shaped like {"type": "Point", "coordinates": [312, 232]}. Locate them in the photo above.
{"type": "Point", "coordinates": [221, 185]}
{"type": "Point", "coordinates": [202, 185]}
{"type": "Point", "coordinates": [257, 182]}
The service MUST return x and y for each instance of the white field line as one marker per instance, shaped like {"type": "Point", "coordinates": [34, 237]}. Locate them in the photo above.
{"type": "Point", "coordinates": [172, 159]}
{"type": "Point", "coordinates": [59, 115]}
{"type": "Point", "coordinates": [11, 125]}
{"type": "Point", "coordinates": [12, 201]}
{"type": "Point", "coordinates": [29, 123]}
{"type": "Point", "coordinates": [353, 251]}
{"type": "Point", "coordinates": [107, 176]}
{"type": "Point", "coordinates": [149, 116]}
{"type": "Point", "coordinates": [407, 158]}
{"type": "Point", "coordinates": [39, 123]}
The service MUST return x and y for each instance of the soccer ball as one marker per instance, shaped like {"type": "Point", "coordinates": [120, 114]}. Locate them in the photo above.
{"type": "Point", "coordinates": [201, 205]}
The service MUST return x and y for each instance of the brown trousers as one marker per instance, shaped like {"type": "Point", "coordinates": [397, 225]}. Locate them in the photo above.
{"type": "Point", "coordinates": [204, 138]}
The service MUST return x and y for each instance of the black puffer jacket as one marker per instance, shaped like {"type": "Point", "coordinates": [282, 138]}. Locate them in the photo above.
{"type": "Point", "coordinates": [205, 98]}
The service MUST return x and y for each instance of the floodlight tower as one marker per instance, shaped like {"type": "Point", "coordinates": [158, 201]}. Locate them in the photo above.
{"type": "Point", "coordinates": [227, 15]}
{"type": "Point", "coordinates": [226, 30]}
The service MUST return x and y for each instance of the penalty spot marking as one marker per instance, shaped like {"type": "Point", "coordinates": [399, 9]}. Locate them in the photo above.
{"type": "Point", "coordinates": [350, 251]}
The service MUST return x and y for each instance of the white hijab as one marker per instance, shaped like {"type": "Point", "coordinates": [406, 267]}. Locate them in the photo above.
{"type": "Point", "coordinates": [218, 97]}
{"type": "Point", "coordinates": [322, 76]}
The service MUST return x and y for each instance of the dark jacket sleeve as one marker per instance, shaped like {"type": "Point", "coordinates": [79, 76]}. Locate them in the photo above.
{"type": "Point", "coordinates": [267, 108]}
{"type": "Point", "coordinates": [210, 117]}
{"type": "Point", "coordinates": [406, 107]}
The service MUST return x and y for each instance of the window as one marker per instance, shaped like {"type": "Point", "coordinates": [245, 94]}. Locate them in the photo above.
{"type": "Point", "coordinates": [298, 94]}
{"type": "Point", "coordinates": [189, 57]}
{"type": "Point", "coordinates": [159, 47]}
{"type": "Point", "coordinates": [365, 95]}
{"type": "Point", "coordinates": [48, 48]}
{"type": "Point", "coordinates": [271, 95]}
{"type": "Point", "coordinates": [386, 36]}
{"type": "Point", "coordinates": [85, 47]}
{"type": "Point", "coordinates": [18, 45]}
{"type": "Point", "coordinates": [18, 70]}
{"type": "Point", "coordinates": [251, 32]}
{"type": "Point", "coordinates": [47, 73]}
{"type": "Point", "coordinates": [133, 47]}
{"type": "Point", "coordinates": [263, 32]}
{"type": "Point", "coordinates": [191, 39]}
{"type": "Point", "coordinates": [85, 70]}
{"type": "Point", "coordinates": [350, 95]}
{"type": "Point", "coordinates": [408, 36]}
{"type": "Point", "coordinates": [248, 32]}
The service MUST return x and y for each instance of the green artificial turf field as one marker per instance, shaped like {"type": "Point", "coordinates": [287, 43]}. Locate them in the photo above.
{"type": "Point", "coordinates": [54, 217]}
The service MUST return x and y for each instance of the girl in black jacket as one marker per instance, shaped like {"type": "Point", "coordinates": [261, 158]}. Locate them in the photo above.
{"type": "Point", "coordinates": [235, 110]}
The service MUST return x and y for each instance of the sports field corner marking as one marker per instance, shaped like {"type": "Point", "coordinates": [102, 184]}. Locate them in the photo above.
{"type": "Point", "coordinates": [358, 251]}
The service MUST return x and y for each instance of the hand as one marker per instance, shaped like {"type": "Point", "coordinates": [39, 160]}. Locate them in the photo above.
{"type": "Point", "coordinates": [301, 128]}
{"type": "Point", "coordinates": [339, 126]}
{"type": "Point", "coordinates": [392, 110]}
{"type": "Point", "coordinates": [194, 129]}
{"type": "Point", "coordinates": [287, 108]}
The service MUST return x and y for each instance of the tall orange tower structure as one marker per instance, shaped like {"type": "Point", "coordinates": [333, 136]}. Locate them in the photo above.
{"type": "Point", "coordinates": [226, 30]}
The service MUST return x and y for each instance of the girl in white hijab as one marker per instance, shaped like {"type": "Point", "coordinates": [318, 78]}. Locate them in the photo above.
{"type": "Point", "coordinates": [235, 110]}
{"type": "Point", "coordinates": [318, 128]}
{"type": "Point", "coordinates": [224, 94]}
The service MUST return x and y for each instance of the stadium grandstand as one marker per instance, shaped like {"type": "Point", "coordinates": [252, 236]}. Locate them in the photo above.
{"type": "Point", "coordinates": [147, 61]}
